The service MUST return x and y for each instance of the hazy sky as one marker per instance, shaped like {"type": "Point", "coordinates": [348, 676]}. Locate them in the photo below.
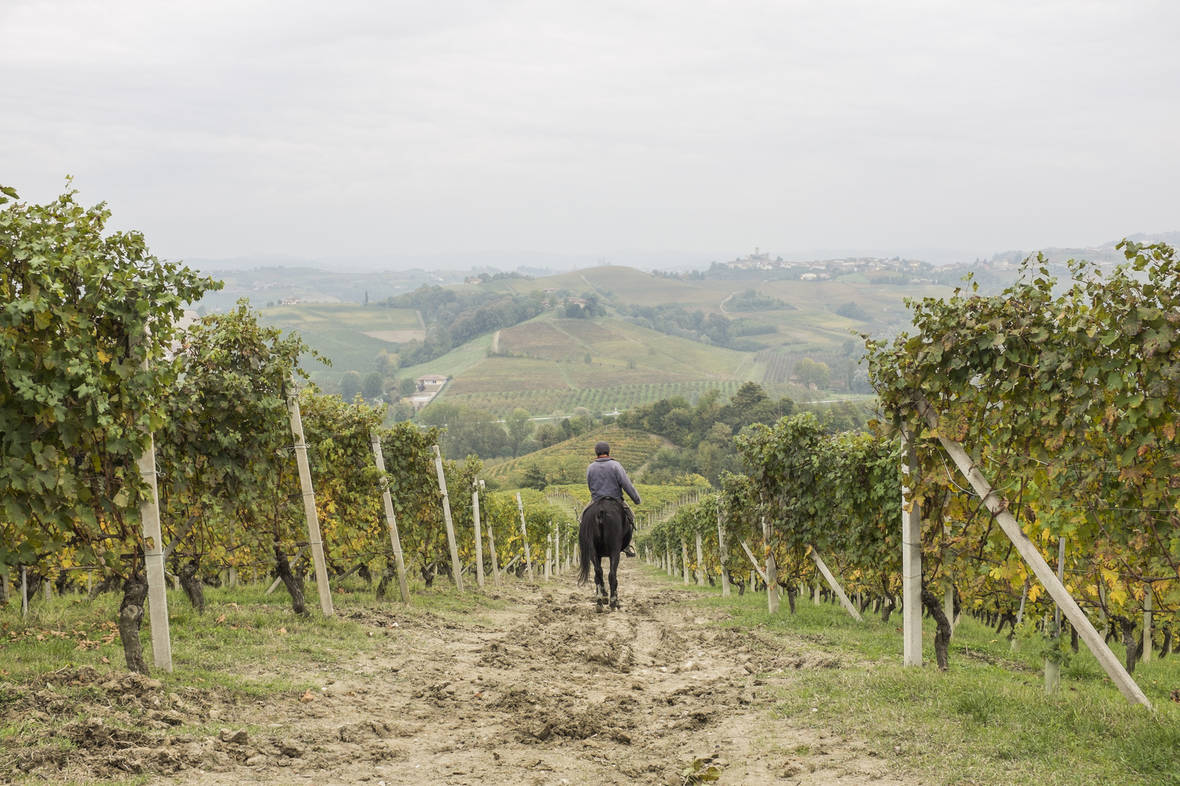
{"type": "Point", "coordinates": [612, 129]}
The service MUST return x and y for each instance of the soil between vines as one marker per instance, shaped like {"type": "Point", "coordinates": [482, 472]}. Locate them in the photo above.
{"type": "Point", "coordinates": [542, 691]}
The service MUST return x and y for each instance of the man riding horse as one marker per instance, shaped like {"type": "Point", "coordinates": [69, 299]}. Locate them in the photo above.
{"type": "Point", "coordinates": [607, 524]}
{"type": "Point", "coordinates": [607, 481]}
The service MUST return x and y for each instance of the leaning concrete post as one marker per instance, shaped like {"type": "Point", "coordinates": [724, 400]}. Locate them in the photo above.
{"type": "Point", "coordinates": [835, 585]}
{"type": "Point", "coordinates": [390, 519]}
{"type": "Point", "coordinates": [153, 558]}
{"type": "Point", "coordinates": [492, 550]}
{"type": "Point", "coordinates": [456, 568]}
{"type": "Point", "coordinates": [315, 540]}
{"type": "Point", "coordinates": [998, 506]}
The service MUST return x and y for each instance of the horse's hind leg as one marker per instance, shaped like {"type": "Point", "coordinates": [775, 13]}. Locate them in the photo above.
{"type": "Point", "coordinates": [599, 586]}
{"type": "Point", "coordinates": [614, 580]}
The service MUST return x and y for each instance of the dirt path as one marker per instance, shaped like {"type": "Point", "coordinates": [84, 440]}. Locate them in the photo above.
{"type": "Point", "coordinates": [542, 691]}
{"type": "Point", "coordinates": [547, 691]}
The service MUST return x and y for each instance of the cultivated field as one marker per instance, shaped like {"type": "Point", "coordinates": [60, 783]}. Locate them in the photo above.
{"type": "Point", "coordinates": [566, 461]}
{"type": "Point", "coordinates": [551, 364]}
{"type": "Point", "coordinates": [617, 398]}
{"type": "Point", "coordinates": [348, 334]}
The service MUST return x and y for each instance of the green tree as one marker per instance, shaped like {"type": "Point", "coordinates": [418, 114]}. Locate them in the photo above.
{"type": "Point", "coordinates": [372, 387]}
{"type": "Point", "coordinates": [534, 478]}
{"type": "Point", "coordinates": [350, 385]}
{"type": "Point", "coordinates": [519, 429]}
{"type": "Point", "coordinates": [813, 373]}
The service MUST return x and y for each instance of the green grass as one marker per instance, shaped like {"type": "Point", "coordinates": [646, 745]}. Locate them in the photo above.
{"type": "Point", "coordinates": [986, 720]}
{"type": "Point", "coordinates": [246, 641]}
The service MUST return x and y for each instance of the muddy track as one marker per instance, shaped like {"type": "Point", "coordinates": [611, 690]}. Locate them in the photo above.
{"type": "Point", "coordinates": [544, 691]}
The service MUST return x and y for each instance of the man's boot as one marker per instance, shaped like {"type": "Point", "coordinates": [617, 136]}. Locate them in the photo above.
{"type": "Point", "coordinates": [629, 551]}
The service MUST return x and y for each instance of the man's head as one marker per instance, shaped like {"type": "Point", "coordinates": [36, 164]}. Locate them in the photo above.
{"type": "Point", "coordinates": [602, 449]}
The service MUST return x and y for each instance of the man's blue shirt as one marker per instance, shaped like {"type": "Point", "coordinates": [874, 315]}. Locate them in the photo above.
{"type": "Point", "coordinates": [607, 478]}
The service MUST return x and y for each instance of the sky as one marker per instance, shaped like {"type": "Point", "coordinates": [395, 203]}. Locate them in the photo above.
{"type": "Point", "coordinates": [626, 132]}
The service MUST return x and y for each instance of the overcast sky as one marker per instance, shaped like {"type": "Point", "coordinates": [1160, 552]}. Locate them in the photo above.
{"type": "Point", "coordinates": [620, 130]}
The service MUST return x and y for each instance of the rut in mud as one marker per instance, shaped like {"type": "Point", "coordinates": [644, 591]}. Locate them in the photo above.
{"type": "Point", "coordinates": [543, 691]}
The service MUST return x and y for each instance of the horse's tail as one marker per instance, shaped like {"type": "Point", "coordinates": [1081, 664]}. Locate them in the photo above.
{"type": "Point", "coordinates": [586, 555]}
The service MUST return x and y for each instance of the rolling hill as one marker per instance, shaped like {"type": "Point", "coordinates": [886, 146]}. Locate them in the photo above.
{"type": "Point", "coordinates": [647, 345]}
{"type": "Point", "coordinates": [566, 461]}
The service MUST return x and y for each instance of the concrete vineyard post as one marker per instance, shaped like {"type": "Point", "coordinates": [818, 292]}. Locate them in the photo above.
{"type": "Point", "coordinates": [456, 568]}
{"type": "Point", "coordinates": [771, 570]}
{"type": "Point", "coordinates": [391, 520]}
{"type": "Point", "coordinates": [995, 503]}
{"type": "Point", "coordinates": [24, 591]}
{"type": "Point", "coordinates": [492, 551]}
{"type": "Point", "coordinates": [1147, 608]}
{"type": "Point", "coordinates": [667, 560]}
{"type": "Point", "coordinates": [558, 568]}
{"type": "Point", "coordinates": [478, 537]}
{"type": "Point", "coordinates": [723, 551]}
{"type": "Point", "coordinates": [911, 562]}
{"type": "Point", "coordinates": [753, 561]}
{"type": "Point", "coordinates": [1020, 613]}
{"type": "Point", "coordinates": [700, 562]}
{"type": "Point", "coordinates": [948, 592]}
{"type": "Point", "coordinates": [684, 559]}
{"type": "Point", "coordinates": [1052, 666]}
{"type": "Point", "coordinates": [528, 554]}
{"type": "Point", "coordinates": [545, 575]}
{"type": "Point", "coordinates": [153, 559]}
{"type": "Point", "coordinates": [835, 585]}
{"type": "Point", "coordinates": [315, 540]}
{"type": "Point", "coordinates": [550, 550]}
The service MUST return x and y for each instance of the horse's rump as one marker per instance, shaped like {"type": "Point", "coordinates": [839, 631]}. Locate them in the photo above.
{"type": "Point", "coordinates": [600, 533]}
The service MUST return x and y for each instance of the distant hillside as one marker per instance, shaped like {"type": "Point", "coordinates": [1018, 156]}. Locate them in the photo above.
{"type": "Point", "coordinates": [1105, 253]}
{"type": "Point", "coordinates": [566, 462]}
{"type": "Point", "coordinates": [608, 337]}
{"type": "Point", "coordinates": [554, 365]}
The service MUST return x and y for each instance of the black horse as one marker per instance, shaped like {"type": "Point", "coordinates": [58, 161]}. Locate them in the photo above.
{"type": "Point", "coordinates": [601, 535]}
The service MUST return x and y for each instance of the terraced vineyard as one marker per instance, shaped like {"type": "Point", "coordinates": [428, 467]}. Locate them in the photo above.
{"type": "Point", "coordinates": [597, 400]}
{"type": "Point", "coordinates": [566, 461]}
